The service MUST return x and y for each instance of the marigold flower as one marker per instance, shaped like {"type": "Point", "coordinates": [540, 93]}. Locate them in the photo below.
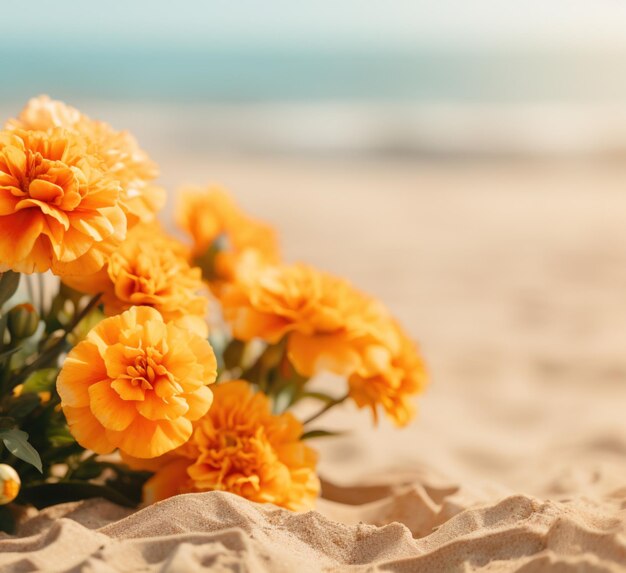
{"type": "Point", "coordinates": [136, 383]}
{"type": "Point", "coordinates": [213, 220]}
{"type": "Point", "coordinates": [58, 210]}
{"type": "Point", "coordinates": [329, 326]}
{"type": "Point", "coordinates": [240, 447]}
{"type": "Point", "coordinates": [150, 269]}
{"type": "Point", "coordinates": [118, 150]}
{"type": "Point", "coordinates": [389, 378]}
{"type": "Point", "coordinates": [328, 322]}
{"type": "Point", "coordinates": [9, 484]}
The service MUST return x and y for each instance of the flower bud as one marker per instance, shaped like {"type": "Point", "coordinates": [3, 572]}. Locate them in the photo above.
{"type": "Point", "coordinates": [23, 321]}
{"type": "Point", "coordinates": [9, 484]}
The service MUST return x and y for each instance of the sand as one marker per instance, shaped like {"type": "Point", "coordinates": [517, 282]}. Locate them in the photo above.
{"type": "Point", "coordinates": [223, 532]}
{"type": "Point", "coordinates": [513, 278]}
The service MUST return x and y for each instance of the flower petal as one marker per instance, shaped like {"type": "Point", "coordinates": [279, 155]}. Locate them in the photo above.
{"type": "Point", "coordinates": [170, 480]}
{"type": "Point", "coordinates": [15, 160]}
{"type": "Point", "coordinates": [82, 368]}
{"type": "Point", "coordinates": [199, 402]}
{"type": "Point", "coordinates": [88, 432]}
{"type": "Point", "coordinates": [8, 202]}
{"type": "Point", "coordinates": [148, 439]}
{"type": "Point", "coordinates": [44, 190]}
{"type": "Point", "coordinates": [155, 408]}
{"type": "Point", "coordinates": [109, 409]}
{"type": "Point", "coordinates": [19, 234]}
{"type": "Point", "coordinates": [313, 354]}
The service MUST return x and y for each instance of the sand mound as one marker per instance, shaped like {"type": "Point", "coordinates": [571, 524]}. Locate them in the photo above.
{"type": "Point", "coordinates": [226, 533]}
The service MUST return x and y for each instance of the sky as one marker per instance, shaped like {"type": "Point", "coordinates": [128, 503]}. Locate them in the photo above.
{"type": "Point", "coordinates": [259, 50]}
{"type": "Point", "coordinates": [573, 24]}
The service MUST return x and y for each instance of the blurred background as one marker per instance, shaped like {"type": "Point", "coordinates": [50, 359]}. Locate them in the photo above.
{"type": "Point", "coordinates": [464, 161]}
{"type": "Point", "coordinates": [410, 77]}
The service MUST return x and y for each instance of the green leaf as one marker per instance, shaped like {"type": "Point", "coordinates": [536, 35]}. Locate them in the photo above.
{"type": "Point", "coordinates": [41, 381]}
{"type": "Point", "coordinates": [9, 281]}
{"type": "Point", "coordinates": [23, 405]}
{"type": "Point", "coordinates": [46, 494]}
{"type": "Point", "coordinates": [16, 441]}
{"type": "Point", "coordinates": [319, 434]}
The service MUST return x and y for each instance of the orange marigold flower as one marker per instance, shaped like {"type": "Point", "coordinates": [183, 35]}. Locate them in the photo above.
{"type": "Point", "coordinates": [389, 377]}
{"type": "Point", "coordinates": [118, 150]}
{"type": "Point", "coordinates": [222, 233]}
{"type": "Point", "coordinates": [136, 383]}
{"type": "Point", "coordinates": [327, 321]}
{"type": "Point", "coordinates": [331, 326]}
{"type": "Point", "coordinates": [150, 269]}
{"type": "Point", "coordinates": [240, 447]}
{"type": "Point", "coordinates": [58, 209]}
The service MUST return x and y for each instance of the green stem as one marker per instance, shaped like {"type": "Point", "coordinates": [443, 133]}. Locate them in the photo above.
{"type": "Point", "coordinates": [55, 350]}
{"type": "Point", "coordinates": [29, 288]}
{"type": "Point", "coordinates": [42, 294]}
{"type": "Point", "coordinates": [327, 407]}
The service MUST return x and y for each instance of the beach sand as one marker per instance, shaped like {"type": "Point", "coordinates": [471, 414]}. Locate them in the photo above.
{"type": "Point", "coordinates": [512, 276]}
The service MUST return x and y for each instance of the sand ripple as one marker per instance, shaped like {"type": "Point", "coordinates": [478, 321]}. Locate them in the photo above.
{"type": "Point", "coordinates": [222, 532]}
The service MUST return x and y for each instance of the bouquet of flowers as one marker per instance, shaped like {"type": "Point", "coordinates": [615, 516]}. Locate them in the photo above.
{"type": "Point", "coordinates": [135, 366]}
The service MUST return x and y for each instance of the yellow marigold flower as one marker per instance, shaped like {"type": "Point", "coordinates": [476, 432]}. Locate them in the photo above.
{"type": "Point", "coordinates": [240, 447]}
{"type": "Point", "coordinates": [150, 269]}
{"type": "Point", "coordinates": [58, 210]}
{"type": "Point", "coordinates": [329, 326]}
{"type": "Point", "coordinates": [210, 216]}
{"type": "Point", "coordinates": [327, 321]}
{"type": "Point", "coordinates": [118, 150]}
{"type": "Point", "coordinates": [389, 378]}
{"type": "Point", "coordinates": [136, 383]}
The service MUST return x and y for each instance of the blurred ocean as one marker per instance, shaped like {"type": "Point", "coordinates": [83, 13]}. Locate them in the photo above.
{"type": "Point", "coordinates": [252, 74]}
{"type": "Point", "coordinates": [433, 101]}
